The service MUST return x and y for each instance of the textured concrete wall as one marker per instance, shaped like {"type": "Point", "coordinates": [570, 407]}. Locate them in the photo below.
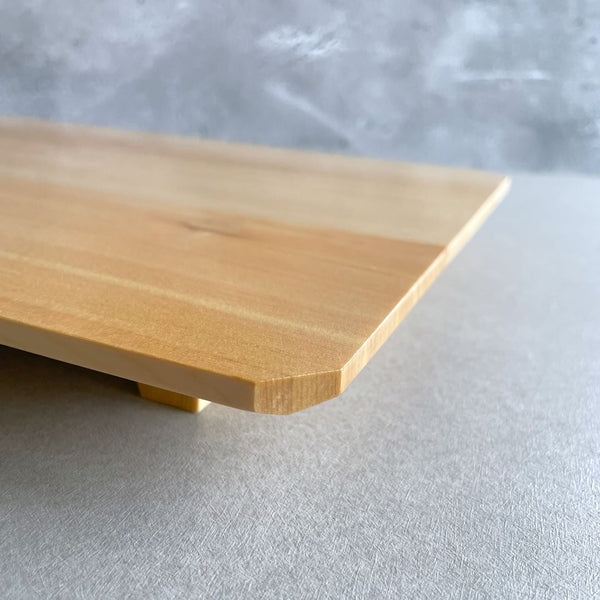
{"type": "Point", "coordinates": [496, 84]}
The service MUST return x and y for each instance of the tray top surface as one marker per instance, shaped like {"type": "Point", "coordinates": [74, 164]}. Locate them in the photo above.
{"type": "Point", "coordinates": [259, 278]}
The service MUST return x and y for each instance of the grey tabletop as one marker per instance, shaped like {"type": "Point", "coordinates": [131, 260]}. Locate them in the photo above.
{"type": "Point", "coordinates": [463, 462]}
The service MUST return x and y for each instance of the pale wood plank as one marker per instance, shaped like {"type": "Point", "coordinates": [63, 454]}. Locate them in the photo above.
{"type": "Point", "coordinates": [258, 278]}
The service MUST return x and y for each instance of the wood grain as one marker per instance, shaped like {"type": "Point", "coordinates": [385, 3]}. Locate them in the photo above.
{"type": "Point", "coordinates": [259, 278]}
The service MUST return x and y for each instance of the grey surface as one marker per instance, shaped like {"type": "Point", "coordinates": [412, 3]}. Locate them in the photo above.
{"type": "Point", "coordinates": [463, 462]}
{"type": "Point", "coordinates": [494, 84]}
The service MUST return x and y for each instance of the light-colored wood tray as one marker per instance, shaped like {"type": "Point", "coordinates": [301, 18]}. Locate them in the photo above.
{"type": "Point", "coordinates": [259, 278]}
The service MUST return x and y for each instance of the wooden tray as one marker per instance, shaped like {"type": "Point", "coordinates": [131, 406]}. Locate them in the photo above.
{"type": "Point", "coordinates": [259, 278]}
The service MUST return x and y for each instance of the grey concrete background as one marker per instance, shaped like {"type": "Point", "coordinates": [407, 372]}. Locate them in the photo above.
{"type": "Point", "coordinates": [495, 84]}
{"type": "Point", "coordinates": [463, 462]}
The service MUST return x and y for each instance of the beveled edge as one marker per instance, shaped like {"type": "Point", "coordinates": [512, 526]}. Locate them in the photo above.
{"type": "Point", "coordinates": [270, 396]}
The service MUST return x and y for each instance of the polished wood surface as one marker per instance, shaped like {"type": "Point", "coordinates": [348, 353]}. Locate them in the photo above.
{"type": "Point", "coordinates": [259, 278]}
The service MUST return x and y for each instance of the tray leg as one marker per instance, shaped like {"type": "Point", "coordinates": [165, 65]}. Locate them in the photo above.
{"type": "Point", "coordinates": [172, 398]}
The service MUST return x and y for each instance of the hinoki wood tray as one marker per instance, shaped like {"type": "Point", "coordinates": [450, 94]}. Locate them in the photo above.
{"type": "Point", "coordinates": [259, 278]}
